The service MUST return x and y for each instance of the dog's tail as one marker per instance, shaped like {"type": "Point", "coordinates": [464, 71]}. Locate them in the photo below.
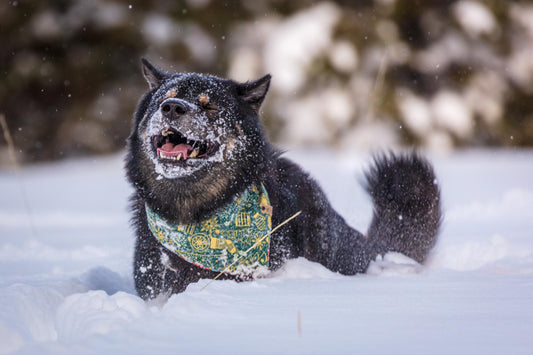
{"type": "Point", "coordinates": [407, 211]}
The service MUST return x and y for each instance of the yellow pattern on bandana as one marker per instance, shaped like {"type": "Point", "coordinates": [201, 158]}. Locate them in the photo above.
{"type": "Point", "coordinates": [216, 242]}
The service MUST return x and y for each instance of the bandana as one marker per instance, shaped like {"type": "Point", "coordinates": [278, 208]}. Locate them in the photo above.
{"type": "Point", "coordinates": [217, 242]}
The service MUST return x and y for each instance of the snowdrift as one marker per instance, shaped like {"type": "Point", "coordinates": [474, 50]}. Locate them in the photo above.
{"type": "Point", "coordinates": [66, 287]}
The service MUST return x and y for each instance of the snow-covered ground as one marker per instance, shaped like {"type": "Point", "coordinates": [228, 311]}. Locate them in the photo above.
{"type": "Point", "coordinates": [66, 287]}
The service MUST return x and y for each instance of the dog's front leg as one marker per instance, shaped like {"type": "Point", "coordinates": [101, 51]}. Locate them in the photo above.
{"type": "Point", "coordinates": [157, 272]}
{"type": "Point", "coordinates": [149, 271]}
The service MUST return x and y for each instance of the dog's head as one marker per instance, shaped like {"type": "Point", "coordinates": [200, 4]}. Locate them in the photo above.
{"type": "Point", "coordinates": [196, 136]}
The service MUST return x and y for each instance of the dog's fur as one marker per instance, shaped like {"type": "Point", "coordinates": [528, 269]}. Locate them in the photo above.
{"type": "Point", "coordinates": [406, 198]}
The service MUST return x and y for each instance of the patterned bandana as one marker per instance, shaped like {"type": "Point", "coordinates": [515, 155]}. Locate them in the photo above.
{"type": "Point", "coordinates": [217, 242]}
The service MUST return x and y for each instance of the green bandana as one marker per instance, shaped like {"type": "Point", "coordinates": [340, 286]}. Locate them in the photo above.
{"type": "Point", "coordinates": [217, 242]}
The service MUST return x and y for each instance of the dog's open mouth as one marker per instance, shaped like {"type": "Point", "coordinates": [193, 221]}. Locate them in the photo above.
{"type": "Point", "coordinates": [171, 145]}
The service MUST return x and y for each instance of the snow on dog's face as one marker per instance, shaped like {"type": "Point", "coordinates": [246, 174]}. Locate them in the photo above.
{"type": "Point", "coordinates": [196, 142]}
{"type": "Point", "coordinates": [194, 121]}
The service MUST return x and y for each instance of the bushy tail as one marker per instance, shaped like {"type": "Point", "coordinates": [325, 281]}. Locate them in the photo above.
{"type": "Point", "coordinates": [407, 211]}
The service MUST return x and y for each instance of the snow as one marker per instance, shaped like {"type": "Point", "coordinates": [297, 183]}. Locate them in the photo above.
{"type": "Point", "coordinates": [288, 51]}
{"type": "Point", "coordinates": [474, 17]}
{"type": "Point", "coordinates": [313, 121]}
{"type": "Point", "coordinates": [159, 29]}
{"type": "Point", "coordinates": [416, 112]}
{"type": "Point", "coordinates": [451, 112]}
{"type": "Point", "coordinates": [343, 56]}
{"type": "Point", "coordinates": [67, 287]}
{"type": "Point", "coordinates": [154, 126]}
{"type": "Point", "coordinates": [523, 15]}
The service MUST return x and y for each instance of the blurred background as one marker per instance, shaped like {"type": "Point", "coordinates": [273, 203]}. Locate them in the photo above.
{"type": "Point", "coordinates": [346, 74]}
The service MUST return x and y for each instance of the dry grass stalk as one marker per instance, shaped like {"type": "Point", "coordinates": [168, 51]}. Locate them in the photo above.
{"type": "Point", "coordinates": [12, 156]}
{"type": "Point", "coordinates": [253, 246]}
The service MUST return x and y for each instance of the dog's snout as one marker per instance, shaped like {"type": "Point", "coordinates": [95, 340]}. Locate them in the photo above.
{"type": "Point", "coordinates": [173, 108]}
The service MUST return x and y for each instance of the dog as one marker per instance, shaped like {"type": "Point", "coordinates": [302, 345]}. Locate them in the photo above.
{"type": "Point", "coordinates": [210, 190]}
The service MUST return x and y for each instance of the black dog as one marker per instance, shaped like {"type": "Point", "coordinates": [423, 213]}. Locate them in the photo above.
{"type": "Point", "coordinates": [209, 187]}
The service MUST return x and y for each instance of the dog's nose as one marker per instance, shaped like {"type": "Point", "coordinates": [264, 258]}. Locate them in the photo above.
{"type": "Point", "coordinates": [173, 108]}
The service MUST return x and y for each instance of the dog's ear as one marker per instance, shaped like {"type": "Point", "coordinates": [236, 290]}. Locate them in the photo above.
{"type": "Point", "coordinates": [153, 75]}
{"type": "Point", "coordinates": [254, 92]}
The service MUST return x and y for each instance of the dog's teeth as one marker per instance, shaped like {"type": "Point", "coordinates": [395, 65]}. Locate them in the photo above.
{"type": "Point", "coordinates": [166, 132]}
{"type": "Point", "coordinates": [194, 153]}
{"type": "Point", "coordinates": [178, 157]}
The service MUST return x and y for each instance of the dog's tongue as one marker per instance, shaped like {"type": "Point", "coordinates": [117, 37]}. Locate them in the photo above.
{"type": "Point", "coordinates": [176, 149]}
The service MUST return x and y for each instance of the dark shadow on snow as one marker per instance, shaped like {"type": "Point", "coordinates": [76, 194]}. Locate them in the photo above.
{"type": "Point", "coordinates": [102, 278]}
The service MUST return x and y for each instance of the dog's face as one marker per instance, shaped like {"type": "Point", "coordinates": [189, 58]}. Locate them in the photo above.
{"type": "Point", "coordinates": [194, 122]}
{"type": "Point", "coordinates": [197, 139]}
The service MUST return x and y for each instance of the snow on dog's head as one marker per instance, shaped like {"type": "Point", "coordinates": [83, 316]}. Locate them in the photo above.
{"type": "Point", "coordinates": [196, 135]}
{"type": "Point", "coordinates": [192, 121]}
